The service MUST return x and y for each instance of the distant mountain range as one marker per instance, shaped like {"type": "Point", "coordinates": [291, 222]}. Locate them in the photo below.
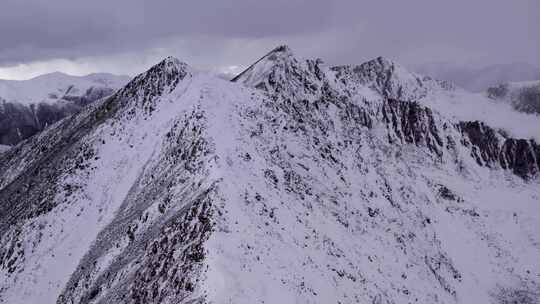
{"type": "Point", "coordinates": [28, 106]}
{"type": "Point", "coordinates": [479, 79]}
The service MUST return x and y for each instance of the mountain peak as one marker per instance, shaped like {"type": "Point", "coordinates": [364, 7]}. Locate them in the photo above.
{"type": "Point", "coordinates": [171, 65]}
{"type": "Point", "coordinates": [383, 61]}
{"type": "Point", "coordinates": [51, 75]}
{"type": "Point", "coordinates": [171, 59]}
{"type": "Point", "coordinates": [160, 79]}
{"type": "Point", "coordinates": [279, 56]}
{"type": "Point", "coordinates": [378, 65]}
{"type": "Point", "coordinates": [281, 49]}
{"type": "Point", "coordinates": [383, 64]}
{"type": "Point", "coordinates": [390, 79]}
{"type": "Point", "coordinates": [282, 74]}
{"type": "Point", "coordinates": [170, 69]}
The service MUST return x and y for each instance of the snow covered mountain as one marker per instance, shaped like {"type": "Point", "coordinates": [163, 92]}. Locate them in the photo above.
{"type": "Point", "coordinates": [295, 183]}
{"type": "Point", "coordinates": [522, 96]}
{"type": "Point", "coordinates": [28, 106]}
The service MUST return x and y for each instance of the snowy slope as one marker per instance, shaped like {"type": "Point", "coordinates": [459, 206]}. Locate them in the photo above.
{"type": "Point", "coordinates": [522, 96]}
{"type": "Point", "coordinates": [287, 185]}
{"type": "Point", "coordinates": [28, 106]}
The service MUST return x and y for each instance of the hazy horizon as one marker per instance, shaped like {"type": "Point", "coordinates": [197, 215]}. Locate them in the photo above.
{"type": "Point", "coordinates": [129, 36]}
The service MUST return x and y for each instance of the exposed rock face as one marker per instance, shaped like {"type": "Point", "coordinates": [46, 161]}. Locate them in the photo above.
{"type": "Point", "coordinates": [411, 123]}
{"type": "Point", "coordinates": [292, 184]}
{"type": "Point", "coordinates": [491, 148]}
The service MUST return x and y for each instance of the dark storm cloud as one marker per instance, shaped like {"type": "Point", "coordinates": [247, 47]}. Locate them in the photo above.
{"type": "Point", "coordinates": [234, 32]}
{"type": "Point", "coordinates": [37, 29]}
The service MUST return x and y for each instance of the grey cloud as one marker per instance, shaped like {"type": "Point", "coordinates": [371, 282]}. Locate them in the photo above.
{"type": "Point", "coordinates": [37, 30]}
{"type": "Point", "coordinates": [234, 32]}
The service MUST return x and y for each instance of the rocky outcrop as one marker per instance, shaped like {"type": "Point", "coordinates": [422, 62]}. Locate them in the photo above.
{"type": "Point", "coordinates": [493, 148]}
{"type": "Point", "coordinates": [159, 80]}
{"type": "Point", "coordinates": [409, 122]}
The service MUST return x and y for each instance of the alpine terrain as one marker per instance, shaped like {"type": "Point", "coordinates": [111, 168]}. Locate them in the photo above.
{"type": "Point", "coordinates": [295, 182]}
{"type": "Point", "coordinates": [28, 106]}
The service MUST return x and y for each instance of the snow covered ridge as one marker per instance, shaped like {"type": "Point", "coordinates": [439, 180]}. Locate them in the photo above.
{"type": "Point", "coordinates": [28, 106]}
{"type": "Point", "coordinates": [522, 96]}
{"type": "Point", "coordinates": [292, 184]}
{"type": "Point", "coordinates": [393, 88]}
{"type": "Point", "coordinates": [391, 80]}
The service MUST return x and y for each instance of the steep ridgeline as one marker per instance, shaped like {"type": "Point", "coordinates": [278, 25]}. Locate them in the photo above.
{"type": "Point", "coordinates": [396, 97]}
{"type": "Point", "coordinates": [90, 205]}
{"type": "Point", "coordinates": [292, 184]}
{"type": "Point", "coordinates": [522, 96]}
{"type": "Point", "coordinates": [27, 107]}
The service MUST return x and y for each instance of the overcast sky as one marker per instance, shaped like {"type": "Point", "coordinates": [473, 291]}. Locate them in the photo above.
{"type": "Point", "coordinates": [127, 36]}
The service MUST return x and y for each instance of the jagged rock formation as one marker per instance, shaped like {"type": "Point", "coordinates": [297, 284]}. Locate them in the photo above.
{"type": "Point", "coordinates": [413, 124]}
{"type": "Point", "coordinates": [492, 148]}
{"type": "Point", "coordinates": [523, 96]}
{"type": "Point", "coordinates": [294, 183]}
{"type": "Point", "coordinates": [27, 107]}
